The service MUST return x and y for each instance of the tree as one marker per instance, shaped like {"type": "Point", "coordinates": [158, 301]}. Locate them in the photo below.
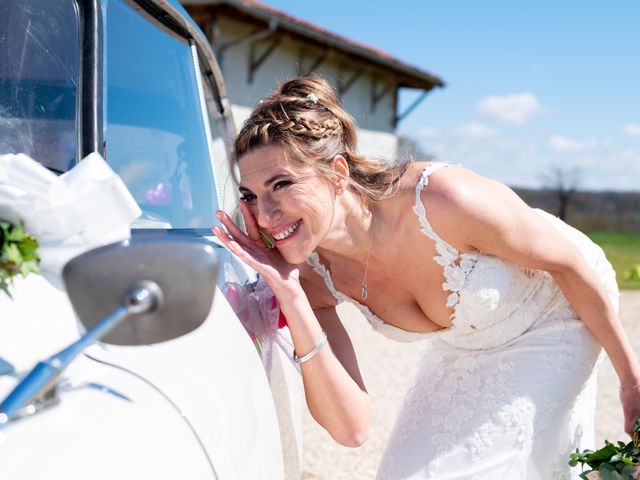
{"type": "Point", "coordinates": [563, 183]}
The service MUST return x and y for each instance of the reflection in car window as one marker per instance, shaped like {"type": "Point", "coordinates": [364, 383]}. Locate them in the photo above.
{"type": "Point", "coordinates": [39, 73]}
{"type": "Point", "coordinates": [154, 131]}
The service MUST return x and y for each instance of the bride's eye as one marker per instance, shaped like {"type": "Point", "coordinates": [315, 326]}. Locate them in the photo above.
{"type": "Point", "coordinates": [282, 184]}
{"type": "Point", "coordinates": [248, 197]}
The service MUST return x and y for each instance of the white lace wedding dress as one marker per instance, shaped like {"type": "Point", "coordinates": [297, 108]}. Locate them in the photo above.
{"type": "Point", "coordinates": [509, 390]}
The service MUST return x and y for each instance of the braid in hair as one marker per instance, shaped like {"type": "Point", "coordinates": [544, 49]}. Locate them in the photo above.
{"type": "Point", "coordinates": [304, 116]}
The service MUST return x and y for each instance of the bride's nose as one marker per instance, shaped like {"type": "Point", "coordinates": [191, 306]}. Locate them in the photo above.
{"type": "Point", "coordinates": [269, 213]}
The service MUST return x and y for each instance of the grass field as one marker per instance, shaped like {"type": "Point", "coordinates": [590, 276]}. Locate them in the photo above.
{"type": "Point", "coordinates": [623, 251]}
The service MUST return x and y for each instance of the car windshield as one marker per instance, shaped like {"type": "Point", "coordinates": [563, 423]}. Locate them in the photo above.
{"type": "Point", "coordinates": [39, 73]}
{"type": "Point", "coordinates": [155, 134]}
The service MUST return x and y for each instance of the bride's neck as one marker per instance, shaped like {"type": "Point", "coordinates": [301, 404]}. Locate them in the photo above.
{"type": "Point", "coordinates": [350, 232]}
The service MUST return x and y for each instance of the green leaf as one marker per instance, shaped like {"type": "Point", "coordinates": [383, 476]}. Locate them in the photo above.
{"type": "Point", "coordinates": [608, 472]}
{"type": "Point", "coordinates": [4, 230]}
{"type": "Point", "coordinates": [12, 253]}
{"type": "Point", "coordinates": [4, 286]}
{"type": "Point", "coordinates": [578, 457]}
{"type": "Point", "coordinates": [605, 453]}
{"type": "Point", "coordinates": [15, 233]}
{"type": "Point", "coordinates": [29, 267]}
{"type": "Point", "coordinates": [28, 248]}
{"type": "Point", "coordinates": [18, 254]}
{"type": "Point", "coordinates": [629, 469]}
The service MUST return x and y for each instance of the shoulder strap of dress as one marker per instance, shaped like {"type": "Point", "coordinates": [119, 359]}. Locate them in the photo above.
{"type": "Point", "coordinates": [418, 206]}
{"type": "Point", "coordinates": [314, 261]}
{"type": "Point", "coordinates": [447, 253]}
{"type": "Point", "coordinates": [455, 273]}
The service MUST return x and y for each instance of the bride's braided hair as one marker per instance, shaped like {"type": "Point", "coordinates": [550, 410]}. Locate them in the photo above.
{"type": "Point", "coordinates": [304, 116]}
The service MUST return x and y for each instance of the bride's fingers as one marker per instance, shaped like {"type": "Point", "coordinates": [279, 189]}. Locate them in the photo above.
{"type": "Point", "coordinates": [221, 235]}
{"type": "Point", "coordinates": [234, 247]}
{"type": "Point", "coordinates": [250, 221]}
{"type": "Point", "coordinates": [232, 228]}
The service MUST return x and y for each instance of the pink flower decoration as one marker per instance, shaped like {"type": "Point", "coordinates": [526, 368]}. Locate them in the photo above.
{"type": "Point", "coordinates": [159, 195]}
{"type": "Point", "coordinates": [282, 320]}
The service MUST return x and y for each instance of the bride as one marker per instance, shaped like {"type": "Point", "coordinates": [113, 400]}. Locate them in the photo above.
{"type": "Point", "coordinates": [514, 304]}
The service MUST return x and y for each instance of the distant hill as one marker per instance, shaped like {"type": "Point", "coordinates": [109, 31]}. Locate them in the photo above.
{"type": "Point", "coordinates": [591, 211]}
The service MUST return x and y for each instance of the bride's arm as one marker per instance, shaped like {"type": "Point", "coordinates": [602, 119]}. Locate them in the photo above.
{"type": "Point", "coordinates": [476, 212]}
{"type": "Point", "coordinates": [333, 385]}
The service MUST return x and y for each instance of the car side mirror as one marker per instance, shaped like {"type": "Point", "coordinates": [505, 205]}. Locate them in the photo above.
{"type": "Point", "coordinates": [181, 273]}
{"type": "Point", "coordinates": [136, 292]}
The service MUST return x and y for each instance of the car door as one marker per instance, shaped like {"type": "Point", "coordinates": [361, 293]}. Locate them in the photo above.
{"type": "Point", "coordinates": [135, 82]}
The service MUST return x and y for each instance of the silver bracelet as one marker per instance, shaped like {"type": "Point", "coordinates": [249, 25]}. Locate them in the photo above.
{"type": "Point", "coordinates": [630, 387]}
{"type": "Point", "coordinates": [313, 352]}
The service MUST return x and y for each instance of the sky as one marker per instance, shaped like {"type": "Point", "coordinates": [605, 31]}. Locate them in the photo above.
{"type": "Point", "coordinates": [530, 86]}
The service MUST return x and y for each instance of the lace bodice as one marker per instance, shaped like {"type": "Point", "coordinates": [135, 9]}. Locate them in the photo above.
{"type": "Point", "coordinates": [493, 300]}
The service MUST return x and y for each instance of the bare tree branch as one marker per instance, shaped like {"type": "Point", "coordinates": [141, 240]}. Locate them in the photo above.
{"type": "Point", "coordinates": [563, 183]}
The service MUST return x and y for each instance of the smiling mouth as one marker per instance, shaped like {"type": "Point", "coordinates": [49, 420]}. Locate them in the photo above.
{"type": "Point", "coordinates": [287, 233]}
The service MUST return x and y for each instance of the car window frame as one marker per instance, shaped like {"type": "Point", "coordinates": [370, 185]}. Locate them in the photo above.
{"type": "Point", "coordinates": [176, 23]}
{"type": "Point", "coordinates": [90, 87]}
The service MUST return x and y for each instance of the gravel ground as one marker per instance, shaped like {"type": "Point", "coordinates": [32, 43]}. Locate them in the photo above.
{"type": "Point", "coordinates": [388, 367]}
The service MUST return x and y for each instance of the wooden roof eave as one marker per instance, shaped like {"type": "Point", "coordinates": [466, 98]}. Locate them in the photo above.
{"type": "Point", "coordinates": [406, 75]}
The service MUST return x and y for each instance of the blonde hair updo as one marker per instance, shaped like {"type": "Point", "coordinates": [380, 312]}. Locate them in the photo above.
{"type": "Point", "coordinates": [304, 116]}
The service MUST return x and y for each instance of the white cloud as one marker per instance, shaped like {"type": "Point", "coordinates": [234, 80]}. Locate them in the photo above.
{"type": "Point", "coordinates": [428, 132]}
{"type": "Point", "coordinates": [517, 108]}
{"type": "Point", "coordinates": [564, 144]}
{"type": "Point", "coordinates": [521, 161]}
{"type": "Point", "coordinates": [632, 129]}
{"type": "Point", "coordinates": [476, 130]}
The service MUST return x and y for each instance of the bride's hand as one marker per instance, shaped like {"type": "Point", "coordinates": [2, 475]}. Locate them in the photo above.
{"type": "Point", "coordinates": [630, 398]}
{"type": "Point", "coordinates": [281, 276]}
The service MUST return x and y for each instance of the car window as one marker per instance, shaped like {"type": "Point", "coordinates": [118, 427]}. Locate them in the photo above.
{"type": "Point", "coordinates": [39, 75]}
{"type": "Point", "coordinates": [154, 131]}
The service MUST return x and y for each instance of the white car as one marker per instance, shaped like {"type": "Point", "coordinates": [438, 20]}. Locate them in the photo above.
{"type": "Point", "coordinates": [137, 82]}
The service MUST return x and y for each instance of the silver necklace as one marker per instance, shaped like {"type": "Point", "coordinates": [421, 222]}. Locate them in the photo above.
{"type": "Point", "coordinates": [363, 284]}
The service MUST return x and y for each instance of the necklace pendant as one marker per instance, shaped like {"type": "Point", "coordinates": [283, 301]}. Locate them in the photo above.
{"type": "Point", "coordinates": [363, 290]}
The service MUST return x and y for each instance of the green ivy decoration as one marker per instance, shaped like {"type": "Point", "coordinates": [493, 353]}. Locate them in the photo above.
{"type": "Point", "coordinates": [613, 461]}
{"type": "Point", "coordinates": [18, 254]}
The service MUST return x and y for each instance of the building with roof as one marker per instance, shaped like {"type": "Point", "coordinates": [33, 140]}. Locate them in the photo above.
{"type": "Point", "coordinates": [258, 46]}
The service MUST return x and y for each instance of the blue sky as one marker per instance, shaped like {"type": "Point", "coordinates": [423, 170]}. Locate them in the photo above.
{"type": "Point", "coordinates": [530, 85]}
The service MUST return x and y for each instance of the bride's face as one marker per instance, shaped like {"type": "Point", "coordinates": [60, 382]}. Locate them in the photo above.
{"type": "Point", "coordinates": [292, 203]}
